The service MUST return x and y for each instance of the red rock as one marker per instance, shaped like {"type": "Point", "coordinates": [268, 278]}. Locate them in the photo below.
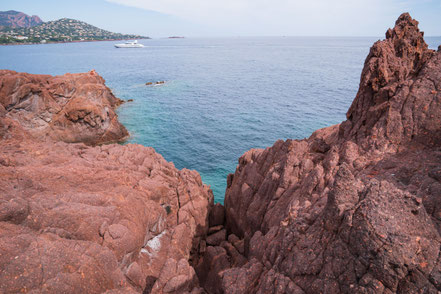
{"type": "Point", "coordinates": [233, 238]}
{"type": "Point", "coordinates": [176, 277]}
{"type": "Point", "coordinates": [17, 19]}
{"type": "Point", "coordinates": [217, 238]}
{"type": "Point", "coordinates": [215, 229]}
{"type": "Point", "coordinates": [236, 259]}
{"type": "Point", "coordinates": [354, 208]}
{"type": "Point", "coordinates": [135, 275]}
{"type": "Point", "coordinates": [71, 108]}
{"type": "Point", "coordinates": [239, 279]}
{"type": "Point", "coordinates": [210, 271]}
{"type": "Point", "coordinates": [217, 215]}
{"type": "Point", "coordinates": [83, 219]}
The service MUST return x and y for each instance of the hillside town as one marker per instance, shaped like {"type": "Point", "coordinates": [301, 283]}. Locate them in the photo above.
{"type": "Point", "coordinates": [62, 30]}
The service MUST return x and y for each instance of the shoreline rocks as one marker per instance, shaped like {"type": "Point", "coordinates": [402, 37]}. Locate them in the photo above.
{"type": "Point", "coordinates": [158, 83]}
{"type": "Point", "coordinates": [356, 207]}
{"type": "Point", "coordinates": [71, 108]}
{"type": "Point", "coordinates": [89, 219]}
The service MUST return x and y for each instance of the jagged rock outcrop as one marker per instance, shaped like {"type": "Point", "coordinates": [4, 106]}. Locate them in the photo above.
{"type": "Point", "coordinates": [71, 108]}
{"type": "Point", "coordinates": [394, 104]}
{"type": "Point", "coordinates": [355, 208]}
{"type": "Point", "coordinates": [83, 219]}
{"type": "Point", "coordinates": [16, 19]}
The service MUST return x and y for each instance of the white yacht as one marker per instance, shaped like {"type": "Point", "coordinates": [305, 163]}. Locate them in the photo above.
{"type": "Point", "coordinates": [129, 44]}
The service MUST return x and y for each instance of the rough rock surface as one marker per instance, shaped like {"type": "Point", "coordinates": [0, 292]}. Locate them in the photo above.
{"type": "Point", "coordinates": [82, 219]}
{"type": "Point", "coordinates": [17, 19]}
{"type": "Point", "coordinates": [71, 108]}
{"type": "Point", "coordinates": [355, 208]}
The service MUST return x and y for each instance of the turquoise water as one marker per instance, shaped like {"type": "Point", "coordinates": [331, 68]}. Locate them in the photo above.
{"type": "Point", "coordinates": [221, 96]}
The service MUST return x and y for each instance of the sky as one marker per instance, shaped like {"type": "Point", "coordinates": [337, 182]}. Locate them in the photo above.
{"type": "Point", "coordinates": [203, 18]}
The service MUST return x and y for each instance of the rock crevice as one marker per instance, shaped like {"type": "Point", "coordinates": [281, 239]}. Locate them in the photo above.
{"type": "Point", "coordinates": [354, 208]}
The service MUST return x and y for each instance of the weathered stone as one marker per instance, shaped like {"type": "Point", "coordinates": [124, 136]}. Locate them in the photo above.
{"type": "Point", "coordinates": [237, 259]}
{"type": "Point", "coordinates": [81, 219]}
{"type": "Point", "coordinates": [215, 229]}
{"type": "Point", "coordinates": [217, 215]}
{"type": "Point", "coordinates": [233, 238]}
{"type": "Point", "coordinates": [210, 271]}
{"type": "Point", "coordinates": [355, 207]}
{"type": "Point", "coordinates": [216, 238]}
{"type": "Point", "coordinates": [134, 274]}
{"type": "Point", "coordinates": [71, 108]}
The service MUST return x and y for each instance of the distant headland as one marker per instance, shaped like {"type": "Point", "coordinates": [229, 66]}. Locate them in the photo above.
{"type": "Point", "coordinates": [19, 28]}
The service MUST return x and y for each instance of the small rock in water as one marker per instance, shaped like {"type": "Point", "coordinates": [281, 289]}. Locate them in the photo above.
{"type": "Point", "coordinates": [155, 83]}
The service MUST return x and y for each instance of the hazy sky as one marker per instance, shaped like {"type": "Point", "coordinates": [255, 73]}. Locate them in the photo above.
{"type": "Point", "coordinates": [161, 18]}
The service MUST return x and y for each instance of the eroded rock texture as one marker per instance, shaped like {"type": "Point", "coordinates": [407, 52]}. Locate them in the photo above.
{"type": "Point", "coordinates": [81, 219]}
{"type": "Point", "coordinates": [71, 108]}
{"type": "Point", "coordinates": [355, 208]}
{"type": "Point", "coordinates": [17, 19]}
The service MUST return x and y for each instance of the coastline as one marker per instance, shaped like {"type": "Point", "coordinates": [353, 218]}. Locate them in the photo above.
{"type": "Point", "coordinates": [354, 208]}
{"type": "Point", "coordinates": [77, 41]}
{"type": "Point", "coordinates": [122, 213]}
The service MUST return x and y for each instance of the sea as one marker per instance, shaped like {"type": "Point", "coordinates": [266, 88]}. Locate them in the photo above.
{"type": "Point", "coordinates": [221, 96]}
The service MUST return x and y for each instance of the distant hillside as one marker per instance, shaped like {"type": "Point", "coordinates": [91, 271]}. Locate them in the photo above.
{"type": "Point", "coordinates": [62, 30]}
{"type": "Point", "coordinates": [16, 19]}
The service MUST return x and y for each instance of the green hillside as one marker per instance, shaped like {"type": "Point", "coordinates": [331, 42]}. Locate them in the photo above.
{"type": "Point", "coordinates": [62, 30]}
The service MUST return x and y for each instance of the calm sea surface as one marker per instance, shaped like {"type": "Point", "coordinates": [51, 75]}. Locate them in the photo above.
{"type": "Point", "coordinates": [221, 96]}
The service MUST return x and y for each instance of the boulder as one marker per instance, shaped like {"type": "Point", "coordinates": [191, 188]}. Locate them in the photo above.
{"type": "Point", "coordinates": [71, 108]}
{"type": "Point", "coordinates": [217, 215]}
{"type": "Point", "coordinates": [217, 238]}
{"type": "Point", "coordinates": [211, 270]}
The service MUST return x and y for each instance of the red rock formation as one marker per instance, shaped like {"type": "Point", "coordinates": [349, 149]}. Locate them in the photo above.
{"type": "Point", "coordinates": [355, 208]}
{"type": "Point", "coordinates": [70, 108]}
{"type": "Point", "coordinates": [17, 19]}
{"type": "Point", "coordinates": [398, 85]}
{"type": "Point", "coordinates": [82, 219]}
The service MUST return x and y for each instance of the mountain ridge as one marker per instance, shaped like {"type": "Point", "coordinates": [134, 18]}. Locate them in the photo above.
{"type": "Point", "coordinates": [17, 19]}
{"type": "Point", "coordinates": [61, 30]}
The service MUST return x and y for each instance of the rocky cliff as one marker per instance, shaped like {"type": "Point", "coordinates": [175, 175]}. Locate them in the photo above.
{"type": "Point", "coordinates": [82, 219]}
{"type": "Point", "coordinates": [355, 208]}
{"type": "Point", "coordinates": [17, 19]}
